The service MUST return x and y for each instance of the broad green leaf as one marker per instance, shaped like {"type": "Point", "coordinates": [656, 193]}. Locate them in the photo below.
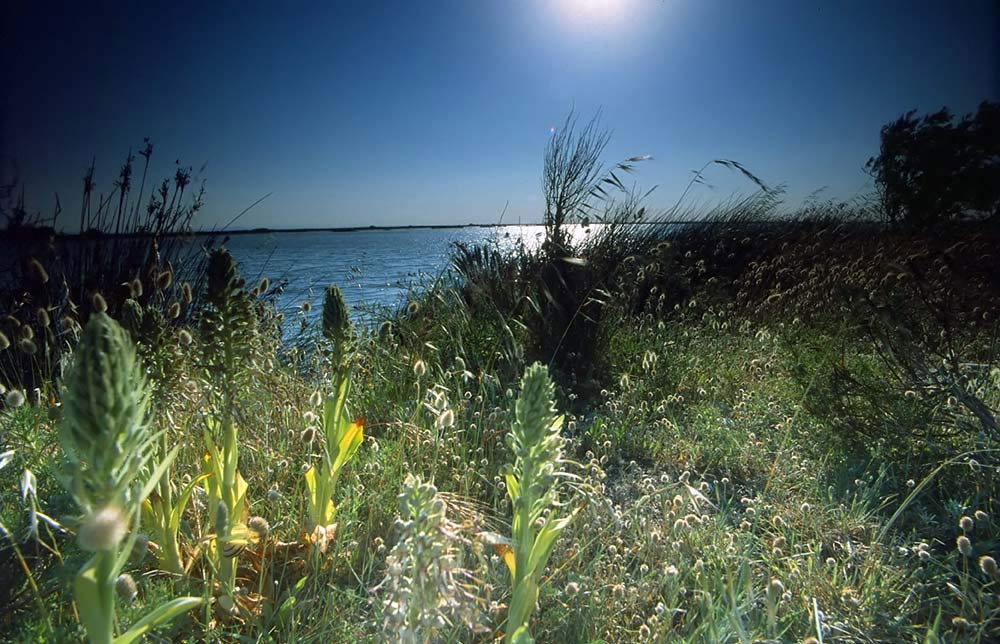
{"type": "Point", "coordinates": [158, 616]}
{"type": "Point", "coordinates": [349, 443]}
{"type": "Point", "coordinates": [87, 590]}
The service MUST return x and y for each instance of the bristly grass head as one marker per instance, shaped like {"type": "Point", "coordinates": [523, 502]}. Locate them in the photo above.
{"type": "Point", "coordinates": [104, 431]}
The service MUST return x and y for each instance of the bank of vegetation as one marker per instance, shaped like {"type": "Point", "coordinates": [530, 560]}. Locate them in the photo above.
{"type": "Point", "coordinates": [764, 427]}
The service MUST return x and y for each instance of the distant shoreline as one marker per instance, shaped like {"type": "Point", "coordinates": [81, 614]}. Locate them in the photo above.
{"type": "Point", "coordinates": [355, 229]}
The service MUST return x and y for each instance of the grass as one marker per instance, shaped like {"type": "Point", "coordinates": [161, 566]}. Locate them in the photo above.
{"type": "Point", "coordinates": [773, 430]}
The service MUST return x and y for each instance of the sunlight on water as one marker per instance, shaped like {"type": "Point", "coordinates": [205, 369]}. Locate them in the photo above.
{"type": "Point", "coordinates": [373, 267]}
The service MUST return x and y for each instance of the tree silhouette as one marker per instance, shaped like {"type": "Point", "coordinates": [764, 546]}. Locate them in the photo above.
{"type": "Point", "coordinates": [931, 169]}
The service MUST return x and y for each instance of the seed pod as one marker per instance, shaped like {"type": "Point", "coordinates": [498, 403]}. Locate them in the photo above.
{"type": "Point", "coordinates": [4, 341]}
{"type": "Point", "coordinates": [43, 316]}
{"type": "Point", "coordinates": [174, 311]}
{"type": "Point", "coordinates": [26, 332]}
{"type": "Point", "coordinates": [186, 295]}
{"type": "Point", "coordinates": [99, 303]}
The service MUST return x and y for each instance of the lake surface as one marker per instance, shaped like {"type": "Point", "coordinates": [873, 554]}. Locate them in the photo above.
{"type": "Point", "coordinates": [372, 267]}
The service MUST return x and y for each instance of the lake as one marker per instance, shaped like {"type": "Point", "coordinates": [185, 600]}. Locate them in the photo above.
{"type": "Point", "coordinates": [372, 267]}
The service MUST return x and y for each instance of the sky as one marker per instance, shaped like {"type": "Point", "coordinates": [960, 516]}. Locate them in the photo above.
{"type": "Point", "coordinates": [438, 112]}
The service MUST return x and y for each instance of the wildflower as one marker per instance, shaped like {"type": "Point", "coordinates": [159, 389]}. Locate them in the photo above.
{"type": "Point", "coordinates": [572, 588]}
{"type": "Point", "coordinates": [185, 337]}
{"type": "Point", "coordinates": [316, 399]}
{"type": "Point", "coordinates": [966, 524]}
{"type": "Point", "coordinates": [964, 545]}
{"type": "Point", "coordinates": [960, 623]}
{"type": "Point", "coordinates": [910, 483]}
{"type": "Point", "coordinates": [174, 311]}
{"type": "Point", "coordinates": [412, 308]}
{"type": "Point", "coordinates": [779, 543]}
{"type": "Point", "coordinates": [43, 316]}
{"type": "Point", "coordinates": [186, 294]}
{"type": "Point", "coordinates": [99, 303]}
{"type": "Point", "coordinates": [102, 530]}
{"type": "Point", "coordinates": [306, 306]}
{"type": "Point", "coordinates": [135, 288]}
{"type": "Point", "coordinates": [14, 398]}
{"type": "Point", "coordinates": [4, 341]}
{"type": "Point", "coordinates": [308, 434]}
{"type": "Point", "coordinates": [644, 632]}
{"type": "Point", "coordinates": [923, 555]}
{"type": "Point", "coordinates": [273, 495]}
{"type": "Point", "coordinates": [126, 588]}
{"type": "Point", "coordinates": [981, 516]}
{"type": "Point", "coordinates": [264, 285]}
{"type": "Point", "coordinates": [419, 369]}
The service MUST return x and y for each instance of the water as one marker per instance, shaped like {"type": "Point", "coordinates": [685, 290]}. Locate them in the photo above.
{"type": "Point", "coordinates": [372, 267]}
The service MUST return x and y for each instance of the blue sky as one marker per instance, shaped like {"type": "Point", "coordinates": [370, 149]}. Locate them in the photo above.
{"type": "Point", "coordinates": [384, 113]}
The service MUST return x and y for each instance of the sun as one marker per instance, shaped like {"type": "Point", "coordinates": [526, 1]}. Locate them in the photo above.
{"type": "Point", "coordinates": [592, 13]}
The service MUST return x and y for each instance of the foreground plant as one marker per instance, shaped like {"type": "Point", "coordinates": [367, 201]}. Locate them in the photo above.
{"type": "Point", "coordinates": [111, 470]}
{"type": "Point", "coordinates": [428, 591]}
{"type": "Point", "coordinates": [532, 484]}
{"type": "Point", "coordinates": [342, 436]}
{"type": "Point", "coordinates": [227, 327]}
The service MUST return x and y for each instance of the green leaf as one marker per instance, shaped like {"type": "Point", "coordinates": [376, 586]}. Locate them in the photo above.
{"type": "Point", "coordinates": [174, 522]}
{"type": "Point", "coordinates": [513, 486]}
{"type": "Point", "coordinates": [87, 591]}
{"type": "Point", "coordinates": [158, 616]}
{"type": "Point", "coordinates": [348, 443]}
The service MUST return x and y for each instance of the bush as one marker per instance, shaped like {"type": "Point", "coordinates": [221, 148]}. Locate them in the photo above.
{"type": "Point", "coordinates": [931, 169]}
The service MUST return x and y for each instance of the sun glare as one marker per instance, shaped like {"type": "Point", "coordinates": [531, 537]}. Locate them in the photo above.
{"type": "Point", "coordinates": [592, 13]}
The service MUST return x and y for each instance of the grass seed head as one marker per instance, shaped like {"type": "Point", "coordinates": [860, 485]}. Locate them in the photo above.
{"type": "Point", "coordinates": [14, 398]}
{"type": "Point", "coordinates": [966, 524]}
{"type": "Point", "coordinates": [259, 525]}
{"type": "Point", "coordinates": [964, 545]}
{"type": "Point", "coordinates": [102, 530]}
{"type": "Point", "coordinates": [126, 588]}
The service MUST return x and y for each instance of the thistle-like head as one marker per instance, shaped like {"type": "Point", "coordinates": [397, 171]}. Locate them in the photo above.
{"type": "Point", "coordinates": [103, 430]}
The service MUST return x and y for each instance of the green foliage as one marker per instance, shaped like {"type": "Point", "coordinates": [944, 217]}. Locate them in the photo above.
{"type": "Point", "coordinates": [108, 445]}
{"type": "Point", "coordinates": [532, 486]}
